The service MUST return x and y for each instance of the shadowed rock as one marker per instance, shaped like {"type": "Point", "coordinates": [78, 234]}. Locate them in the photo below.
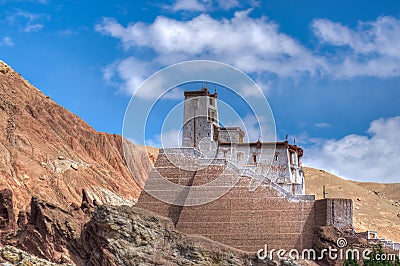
{"type": "Point", "coordinates": [7, 217]}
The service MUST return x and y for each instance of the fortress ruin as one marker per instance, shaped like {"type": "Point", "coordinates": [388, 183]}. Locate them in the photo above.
{"type": "Point", "coordinates": [265, 201]}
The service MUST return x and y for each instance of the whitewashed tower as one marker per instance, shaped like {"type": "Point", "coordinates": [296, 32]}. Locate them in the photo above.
{"type": "Point", "coordinates": [200, 118]}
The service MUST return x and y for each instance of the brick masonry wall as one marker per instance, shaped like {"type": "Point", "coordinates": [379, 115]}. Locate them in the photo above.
{"type": "Point", "coordinates": [338, 212]}
{"type": "Point", "coordinates": [241, 218]}
{"type": "Point", "coordinates": [250, 219]}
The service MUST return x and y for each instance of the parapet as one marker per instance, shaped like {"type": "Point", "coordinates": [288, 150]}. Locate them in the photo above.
{"type": "Point", "coordinates": [202, 92]}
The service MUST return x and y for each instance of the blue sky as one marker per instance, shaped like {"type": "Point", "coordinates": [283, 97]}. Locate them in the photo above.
{"type": "Point", "coordinates": [330, 72]}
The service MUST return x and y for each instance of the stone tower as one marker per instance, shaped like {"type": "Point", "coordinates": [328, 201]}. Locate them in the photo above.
{"type": "Point", "coordinates": [200, 118]}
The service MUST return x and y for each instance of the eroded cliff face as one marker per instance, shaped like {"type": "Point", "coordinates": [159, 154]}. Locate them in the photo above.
{"type": "Point", "coordinates": [49, 152]}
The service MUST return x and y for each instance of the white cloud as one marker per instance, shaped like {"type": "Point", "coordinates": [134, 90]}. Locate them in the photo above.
{"type": "Point", "coordinates": [265, 86]}
{"type": "Point", "coordinates": [189, 5]}
{"type": "Point", "coordinates": [205, 5]}
{"type": "Point", "coordinates": [251, 44]}
{"type": "Point", "coordinates": [380, 36]}
{"type": "Point", "coordinates": [132, 71]}
{"type": "Point", "coordinates": [373, 157]}
{"type": "Point", "coordinates": [370, 50]}
{"type": "Point", "coordinates": [332, 33]}
{"type": "Point", "coordinates": [171, 138]}
{"type": "Point", "coordinates": [31, 21]}
{"type": "Point", "coordinates": [257, 46]}
{"type": "Point", "coordinates": [7, 41]}
{"type": "Point", "coordinates": [129, 75]}
{"type": "Point", "coordinates": [33, 27]}
{"type": "Point", "coordinates": [228, 4]}
{"type": "Point", "coordinates": [167, 139]}
{"type": "Point", "coordinates": [174, 93]}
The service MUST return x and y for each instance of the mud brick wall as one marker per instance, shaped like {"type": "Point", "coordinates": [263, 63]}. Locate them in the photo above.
{"type": "Point", "coordinates": [250, 219]}
{"type": "Point", "coordinates": [240, 218]}
{"type": "Point", "coordinates": [165, 169]}
{"type": "Point", "coordinates": [338, 212]}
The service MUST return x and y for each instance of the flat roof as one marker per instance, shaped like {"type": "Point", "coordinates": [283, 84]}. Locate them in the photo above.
{"type": "Point", "coordinates": [202, 92]}
{"type": "Point", "coordinates": [277, 143]}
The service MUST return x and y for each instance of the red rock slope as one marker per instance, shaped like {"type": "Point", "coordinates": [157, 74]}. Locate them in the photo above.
{"type": "Point", "coordinates": [47, 151]}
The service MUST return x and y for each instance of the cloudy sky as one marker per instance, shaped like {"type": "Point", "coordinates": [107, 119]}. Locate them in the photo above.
{"type": "Point", "coordinates": [331, 72]}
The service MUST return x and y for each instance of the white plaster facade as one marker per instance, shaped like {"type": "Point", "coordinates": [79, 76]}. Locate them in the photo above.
{"type": "Point", "coordinates": [279, 162]}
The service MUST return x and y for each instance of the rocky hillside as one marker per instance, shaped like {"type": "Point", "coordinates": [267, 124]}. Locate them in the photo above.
{"type": "Point", "coordinates": [49, 152]}
{"type": "Point", "coordinates": [390, 192]}
{"type": "Point", "coordinates": [110, 235]}
{"type": "Point", "coordinates": [376, 206]}
{"type": "Point", "coordinates": [10, 255]}
{"type": "Point", "coordinates": [140, 237]}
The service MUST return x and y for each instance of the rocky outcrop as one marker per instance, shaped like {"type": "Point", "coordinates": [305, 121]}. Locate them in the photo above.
{"type": "Point", "coordinates": [343, 240]}
{"type": "Point", "coordinates": [326, 237]}
{"type": "Point", "coordinates": [7, 217]}
{"type": "Point", "coordinates": [12, 256]}
{"type": "Point", "coordinates": [49, 152]}
{"type": "Point", "coordinates": [52, 233]}
{"type": "Point", "coordinates": [122, 235]}
{"type": "Point", "coordinates": [116, 235]}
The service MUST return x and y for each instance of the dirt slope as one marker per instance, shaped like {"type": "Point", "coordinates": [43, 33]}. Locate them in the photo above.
{"type": "Point", "coordinates": [388, 191]}
{"type": "Point", "coordinates": [47, 151]}
{"type": "Point", "coordinates": [371, 210]}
